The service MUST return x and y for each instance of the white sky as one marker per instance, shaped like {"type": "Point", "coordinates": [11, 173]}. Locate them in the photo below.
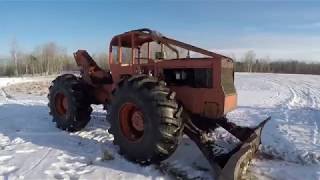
{"type": "Point", "coordinates": [275, 47]}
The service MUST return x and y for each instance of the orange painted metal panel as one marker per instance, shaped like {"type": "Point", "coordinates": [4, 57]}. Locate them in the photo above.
{"type": "Point", "coordinates": [230, 103]}
{"type": "Point", "coordinates": [212, 102]}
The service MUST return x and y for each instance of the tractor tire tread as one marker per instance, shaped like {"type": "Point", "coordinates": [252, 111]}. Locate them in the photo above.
{"type": "Point", "coordinates": [170, 129]}
{"type": "Point", "coordinates": [80, 109]}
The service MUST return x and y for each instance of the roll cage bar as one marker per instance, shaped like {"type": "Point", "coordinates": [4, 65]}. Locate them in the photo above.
{"type": "Point", "coordinates": [136, 38]}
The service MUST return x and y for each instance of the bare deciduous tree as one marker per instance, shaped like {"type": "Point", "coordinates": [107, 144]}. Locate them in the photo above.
{"type": "Point", "coordinates": [14, 55]}
{"type": "Point", "coordinates": [249, 58]}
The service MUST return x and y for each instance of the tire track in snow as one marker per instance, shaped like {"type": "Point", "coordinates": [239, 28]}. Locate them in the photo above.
{"type": "Point", "coordinates": [4, 94]}
{"type": "Point", "coordinates": [315, 105]}
{"type": "Point", "coordinates": [299, 143]}
{"type": "Point", "coordinates": [23, 174]}
{"type": "Point", "coordinates": [310, 104]}
{"type": "Point", "coordinates": [299, 115]}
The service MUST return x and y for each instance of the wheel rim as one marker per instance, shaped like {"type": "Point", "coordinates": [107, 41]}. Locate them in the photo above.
{"type": "Point", "coordinates": [131, 122]}
{"type": "Point", "coordinates": [61, 104]}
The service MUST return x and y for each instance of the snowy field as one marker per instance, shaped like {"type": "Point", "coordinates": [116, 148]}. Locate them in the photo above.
{"type": "Point", "coordinates": [32, 148]}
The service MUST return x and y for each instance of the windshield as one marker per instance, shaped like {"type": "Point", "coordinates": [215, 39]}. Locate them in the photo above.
{"type": "Point", "coordinates": [166, 52]}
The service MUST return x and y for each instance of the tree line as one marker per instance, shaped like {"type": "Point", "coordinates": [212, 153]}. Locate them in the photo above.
{"type": "Point", "coordinates": [51, 58]}
{"type": "Point", "coordinates": [46, 59]}
{"type": "Point", "coordinates": [249, 63]}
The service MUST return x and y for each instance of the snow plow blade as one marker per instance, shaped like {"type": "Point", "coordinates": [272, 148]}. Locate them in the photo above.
{"type": "Point", "coordinates": [231, 165]}
{"type": "Point", "coordinates": [240, 157]}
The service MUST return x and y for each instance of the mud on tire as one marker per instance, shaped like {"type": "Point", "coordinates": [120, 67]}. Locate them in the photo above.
{"type": "Point", "coordinates": [162, 123]}
{"type": "Point", "coordinates": [73, 112]}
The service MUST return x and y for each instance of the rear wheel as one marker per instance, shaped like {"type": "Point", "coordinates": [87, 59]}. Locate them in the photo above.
{"type": "Point", "coordinates": [68, 104]}
{"type": "Point", "coordinates": [145, 120]}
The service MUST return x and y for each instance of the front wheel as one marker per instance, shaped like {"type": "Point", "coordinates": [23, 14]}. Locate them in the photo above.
{"type": "Point", "coordinates": [145, 120]}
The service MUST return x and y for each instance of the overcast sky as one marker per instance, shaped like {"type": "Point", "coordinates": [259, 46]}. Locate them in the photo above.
{"type": "Point", "coordinates": [272, 29]}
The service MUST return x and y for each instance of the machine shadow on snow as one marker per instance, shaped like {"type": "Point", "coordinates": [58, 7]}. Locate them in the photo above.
{"type": "Point", "coordinates": [33, 124]}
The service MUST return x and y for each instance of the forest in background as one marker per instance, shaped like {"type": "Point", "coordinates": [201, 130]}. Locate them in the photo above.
{"type": "Point", "coordinates": [250, 63]}
{"type": "Point", "coordinates": [50, 58]}
{"type": "Point", "coordinates": [46, 59]}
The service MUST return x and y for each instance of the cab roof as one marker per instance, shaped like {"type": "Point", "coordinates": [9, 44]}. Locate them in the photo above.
{"type": "Point", "coordinates": [138, 37]}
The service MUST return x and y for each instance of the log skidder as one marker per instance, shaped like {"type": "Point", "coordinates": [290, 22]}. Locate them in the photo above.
{"type": "Point", "coordinates": [152, 100]}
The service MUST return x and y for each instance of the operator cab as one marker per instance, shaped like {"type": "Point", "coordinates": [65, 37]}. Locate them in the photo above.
{"type": "Point", "coordinates": [185, 68]}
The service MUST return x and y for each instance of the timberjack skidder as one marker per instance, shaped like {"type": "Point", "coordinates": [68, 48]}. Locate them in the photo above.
{"type": "Point", "coordinates": [156, 90]}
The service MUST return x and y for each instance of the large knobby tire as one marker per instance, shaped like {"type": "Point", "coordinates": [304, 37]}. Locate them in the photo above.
{"type": "Point", "coordinates": [157, 132]}
{"type": "Point", "coordinates": [68, 104]}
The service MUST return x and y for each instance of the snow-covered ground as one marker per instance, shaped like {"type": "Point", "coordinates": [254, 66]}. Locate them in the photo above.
{"type": "Point", "coordinates": [32, 148]}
